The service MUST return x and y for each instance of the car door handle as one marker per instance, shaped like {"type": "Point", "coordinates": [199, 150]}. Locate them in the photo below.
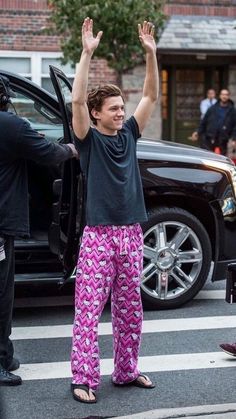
{"type": "Point", "coordinates": [57, 187]}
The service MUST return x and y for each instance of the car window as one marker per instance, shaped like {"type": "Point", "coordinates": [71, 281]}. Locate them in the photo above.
{"type": "Point", "coordinates": [66, 93]}
{"type": "Point", "coordinates": [40, 118]}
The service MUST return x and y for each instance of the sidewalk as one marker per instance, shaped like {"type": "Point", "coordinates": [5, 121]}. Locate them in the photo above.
{"type": "Point", "coordinates": [216, 411]}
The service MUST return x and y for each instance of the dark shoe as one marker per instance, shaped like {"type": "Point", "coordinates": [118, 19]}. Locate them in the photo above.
{"type": "Point", "coordinates": [14, 365]}
{"type": "Point", "coordinates": [8, 379]}
{"type": "Point", "coordinates": [86, 389]}
{"type": "Point", "coordinates": [229, 348]}
{"type": "Point", "coordinates": [137, 383]}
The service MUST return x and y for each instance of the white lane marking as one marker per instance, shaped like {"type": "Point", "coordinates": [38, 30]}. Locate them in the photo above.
{"type": "Point", "coordinates": [68, 300]}
{"type": "Point", "coordinates": [221, 411]}
{"type": "Point", "coordinates": [177, 362]}
{"type": "Point", "coordinates": [149, 326]}
{"type": "Point", "coordinates": [210, 295]}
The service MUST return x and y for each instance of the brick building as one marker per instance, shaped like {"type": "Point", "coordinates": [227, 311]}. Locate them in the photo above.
{"type": "Point", "coordinates": [195, 51]}
{"type": "Point", "coordinates": [28, 50]}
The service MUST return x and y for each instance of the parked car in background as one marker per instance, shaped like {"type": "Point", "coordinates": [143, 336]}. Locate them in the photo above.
{"type": "Point", "coordinates": [189, 194]}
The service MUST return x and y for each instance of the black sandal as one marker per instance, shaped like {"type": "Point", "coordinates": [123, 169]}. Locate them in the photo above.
{"type": "Point", "coordinates": [137, 383]}
{"type": "Point", "coordinates": [86, 389]}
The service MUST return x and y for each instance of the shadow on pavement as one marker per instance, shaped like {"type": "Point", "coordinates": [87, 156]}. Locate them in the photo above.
{"type": "Point", "coordinates": [2, 407]}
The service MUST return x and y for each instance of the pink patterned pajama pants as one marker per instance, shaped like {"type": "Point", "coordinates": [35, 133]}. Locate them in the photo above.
{"type": "Point", "coordinates": [110, 260]}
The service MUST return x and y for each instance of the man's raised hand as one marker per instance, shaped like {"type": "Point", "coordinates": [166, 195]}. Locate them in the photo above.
{"type": "Point", "coordinates": [89, 41]}
{"type": "Point", "coordinates": [146, 36]}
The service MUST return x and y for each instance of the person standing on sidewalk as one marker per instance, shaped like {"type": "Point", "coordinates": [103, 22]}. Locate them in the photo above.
{"type": "Point", "coordinates": [218, 125]}
{"type": "Point", "coordinates": [111, 252]}
{"type": "Point", "coordinates": [209, 101]}
{"type": "Point", "coordinates": [18, 143]}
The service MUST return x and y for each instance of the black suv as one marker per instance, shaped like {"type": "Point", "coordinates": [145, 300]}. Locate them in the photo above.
{"type": "Point", "coordinates": [189, 194]}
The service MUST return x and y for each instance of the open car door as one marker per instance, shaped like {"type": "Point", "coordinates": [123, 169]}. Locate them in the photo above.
{"type": "Point", "coordinates": [66, 226]}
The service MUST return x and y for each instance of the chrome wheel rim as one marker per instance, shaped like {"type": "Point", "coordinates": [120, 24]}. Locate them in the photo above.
{"type": "Point", "coordinates": [173, 259]}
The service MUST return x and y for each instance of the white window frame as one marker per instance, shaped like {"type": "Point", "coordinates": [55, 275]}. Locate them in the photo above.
{"type": "Point", "coordinates": [36, 58]}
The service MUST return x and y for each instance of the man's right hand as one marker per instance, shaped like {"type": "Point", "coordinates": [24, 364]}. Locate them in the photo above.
{"type": "Point", "coordinates": [89, 42]}
{"type": "Point", "coordinates": [194, 136]}
{"type": "Point", "coordinates": [80, 112]}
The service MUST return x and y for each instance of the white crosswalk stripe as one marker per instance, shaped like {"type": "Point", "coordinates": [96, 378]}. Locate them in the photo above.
{"type": "Point", "coordinates": [158, 363]}
{"type": "Point", "coordinates": [154, 363]}
{"type": "Point", "coordinates": [210, 295]}
{"type": "Point", "coordinates": [180, 353]}
{"type": "Point", "coordinates": [149, 326]}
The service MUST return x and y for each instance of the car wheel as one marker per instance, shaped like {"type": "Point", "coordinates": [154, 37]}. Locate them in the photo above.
{"type": "Point", "coordinates": [177, 258]}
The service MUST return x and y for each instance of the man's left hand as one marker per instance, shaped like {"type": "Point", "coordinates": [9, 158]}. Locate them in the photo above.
{"type": "Point", "coordinates": [146, 36]}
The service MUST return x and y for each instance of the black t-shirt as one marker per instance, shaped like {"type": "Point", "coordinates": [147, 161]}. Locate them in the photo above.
{"type": "Point", "coordinates": [114, 188]}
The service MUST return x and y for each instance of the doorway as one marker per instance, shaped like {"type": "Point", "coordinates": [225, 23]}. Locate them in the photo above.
{"type": "Point", "coordinates": [182, 91]}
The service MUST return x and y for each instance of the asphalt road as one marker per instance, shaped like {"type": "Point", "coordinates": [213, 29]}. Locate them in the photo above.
{"type": "Point", "coordinates": [179, 351]}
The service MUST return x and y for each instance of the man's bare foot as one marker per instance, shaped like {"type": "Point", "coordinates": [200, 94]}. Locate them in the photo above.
{"type": "Point", "coordinates": [82, 393]}
{"type": "Point", "coordinates": [144, 380]}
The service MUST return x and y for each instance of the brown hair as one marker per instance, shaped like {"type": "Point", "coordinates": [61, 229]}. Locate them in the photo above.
{"type": "Point", "coordinates": [96, 97]}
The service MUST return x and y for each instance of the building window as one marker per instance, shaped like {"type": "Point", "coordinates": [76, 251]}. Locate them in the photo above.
{"type": "Point", "coordinates": [35, 66]}
{"type": "Point", "coordinates": [189, 92]}
{"type": "Point", "coordinates": [45, 79]}
{"type": "Point", "coordinates": [164, 94]}
{"type": "Point", "coordinates": [17, 65]}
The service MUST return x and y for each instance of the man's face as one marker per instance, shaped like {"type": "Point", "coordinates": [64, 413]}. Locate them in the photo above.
{"type": "Point", "coordinates": [211, 94]}
{"type": "Point", "coordinates": [111, 117]}
{"type": "Point", "coordinates": [224, 96]}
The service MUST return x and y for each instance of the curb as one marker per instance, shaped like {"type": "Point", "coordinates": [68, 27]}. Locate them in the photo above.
{"type": "Point", "coordinates": [215, 411]}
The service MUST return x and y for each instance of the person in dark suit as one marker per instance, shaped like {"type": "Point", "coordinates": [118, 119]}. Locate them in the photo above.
{"type": "Point", "coordinates": [218, 125]}
{"type": "Point", "coordinates": [18, 143]}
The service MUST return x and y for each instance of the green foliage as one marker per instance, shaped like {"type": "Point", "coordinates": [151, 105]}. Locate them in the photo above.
{"type": "Point", "coordinates": [118, 19]}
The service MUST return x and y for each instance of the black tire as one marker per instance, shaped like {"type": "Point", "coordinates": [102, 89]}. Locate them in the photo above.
{"type": "Point", "coordinates": [162, 257]}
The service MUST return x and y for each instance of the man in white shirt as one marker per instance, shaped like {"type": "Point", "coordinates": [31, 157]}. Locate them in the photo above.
{"type": "Point", "coordinates": [208, 102]}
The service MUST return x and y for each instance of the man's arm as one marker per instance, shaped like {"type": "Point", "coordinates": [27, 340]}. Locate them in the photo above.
{"type": "Point", "coordinates": [32, 146]}
{"type": "Point", "coordinates": [81, 119]}
{"type": "Point", "coordinates": [233, 136]}
{"type": "Point", "coordinates": [151, 82]}
{"type": "Point", "coordinates": [202, 126]}
{"type": "Point", "coordinates": [203, 107]}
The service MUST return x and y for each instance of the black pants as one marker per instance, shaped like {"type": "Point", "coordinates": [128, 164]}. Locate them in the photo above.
{"type": "Point", "coordinates": [7, 270]}
{"type": "Point", "coordinates": [210, 144]}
